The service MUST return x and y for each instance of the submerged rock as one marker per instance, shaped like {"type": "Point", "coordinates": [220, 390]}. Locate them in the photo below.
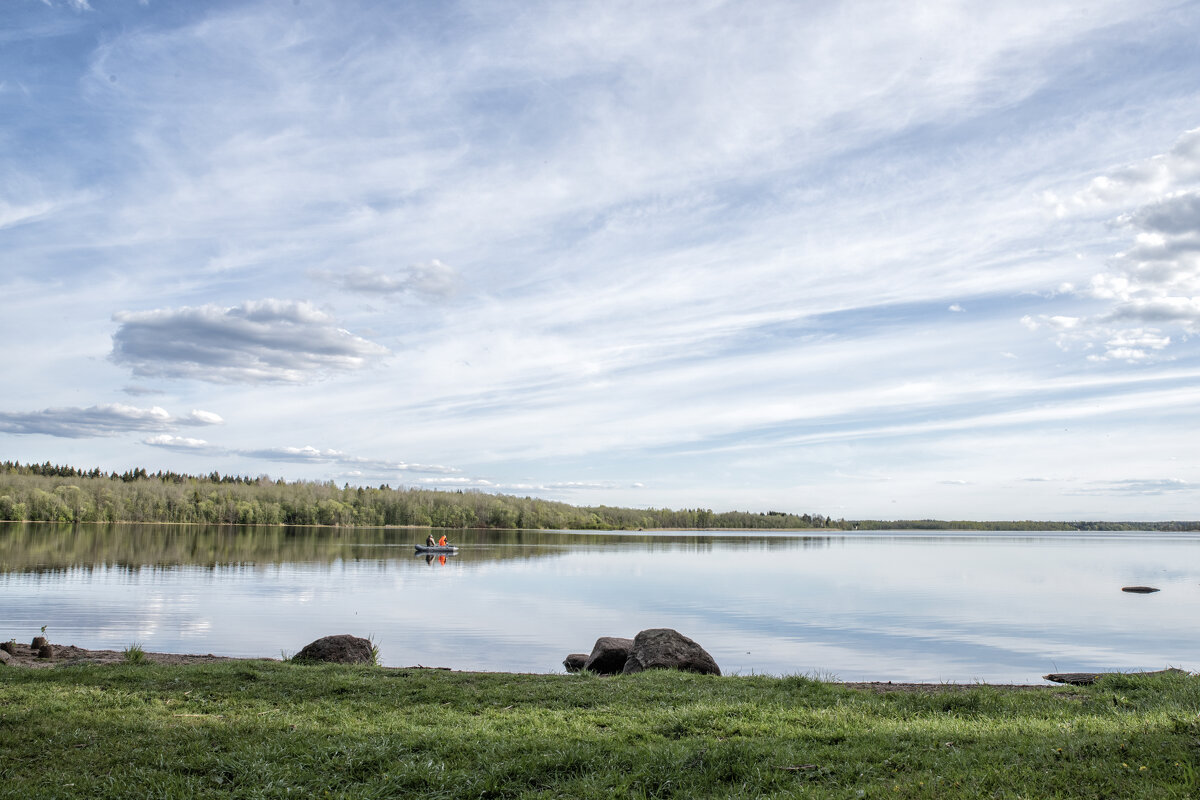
{"type": "Point", "coordinates": [340, 649]}
{"type": "Point", "coordinates": [575, 662]}
{"type": "Point", "coordinates": [609, 655]}
{"type": "Point", "coordinates": [666, 648]}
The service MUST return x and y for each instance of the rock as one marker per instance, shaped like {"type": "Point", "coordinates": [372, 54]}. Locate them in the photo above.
{"type": "Point", "coordinates": [1088, 678]}
{"type": "Point", "coordinates": [45, 651]}
{"type": "Point", "coordinates": [1139, 589]}
{"type": "Point", "coordinates": [38, 642]}
{"type": "Point", "coordinates": [664, 648]}
{"type": "Point", "coordinates": [340, 649]}
{"type": "Point", "coordinates": [609, 655]}
{"type": "Point", "coordinates": [575, 662]}
{"type": "Point", "coordinates": [4, 657]}
{"type": "Point", "coordinates": [9, 647]}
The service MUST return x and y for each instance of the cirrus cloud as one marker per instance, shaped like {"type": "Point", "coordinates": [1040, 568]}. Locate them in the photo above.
{"type": "Point", "coordinates": [264, 341]}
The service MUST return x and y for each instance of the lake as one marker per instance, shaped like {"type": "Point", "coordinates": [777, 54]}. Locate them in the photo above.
{"type": "Point", "coordinates": [901, 606]}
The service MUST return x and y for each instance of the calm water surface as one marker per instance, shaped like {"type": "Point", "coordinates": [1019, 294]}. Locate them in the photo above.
{"type": "Point", "coordinates": [880, 606]}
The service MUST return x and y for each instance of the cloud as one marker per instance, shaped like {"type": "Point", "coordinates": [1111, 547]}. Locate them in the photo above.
{"type": "Point", "coordinates": [295, 455]}
{"type": "Point", "coordinates": [556, 487]}
{"type": "Point", "coordinates": [1134, 182]}
{"type": "Point", "coordinates": [1152, 486]}
{"type": "Point", "coordinates": [102, 420]}
{"type": "Point", "coordinates": [955, 307]}
{"type": "Point", "coordinates": [1177, 214]}
{"type": "Point", "coordinates": [77, 5]}
{"type": "Point", "coordinates": [140, 391]}
{"type": "Point", "coordinates": [434, 280]}
{"type": "Point", "coordinates": [169, 442]}
{"type": "Point", "coordinates": [1154, 285]}
{"type": "Point", "coordinates": [275, 341]}
{"type": "Point", "coordinates": [198, 417]}
{"type": "Point", "coordinates": [15, 215]}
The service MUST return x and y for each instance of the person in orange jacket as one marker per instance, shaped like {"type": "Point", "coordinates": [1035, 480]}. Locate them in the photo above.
{"type": "Point", "coordinates": [442, 541]}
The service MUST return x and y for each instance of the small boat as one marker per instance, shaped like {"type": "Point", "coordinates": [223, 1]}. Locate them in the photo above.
{"type": "Point", "coordinates": [436, 548]}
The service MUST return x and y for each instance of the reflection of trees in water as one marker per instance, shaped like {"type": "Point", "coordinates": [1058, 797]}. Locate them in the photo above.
{"type": "Point", "coordinates": [49, 548]}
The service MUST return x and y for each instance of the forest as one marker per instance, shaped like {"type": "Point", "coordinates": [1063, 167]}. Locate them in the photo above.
{"type": "Point", "coordinates": [54, 493]}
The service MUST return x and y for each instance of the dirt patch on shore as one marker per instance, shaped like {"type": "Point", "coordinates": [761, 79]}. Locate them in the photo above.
{"type": "Point", "coordinates": [22, 655]}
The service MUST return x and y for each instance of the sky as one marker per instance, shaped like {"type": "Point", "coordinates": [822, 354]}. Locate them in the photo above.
{"type": "Point", "coordinates": [861, 259]}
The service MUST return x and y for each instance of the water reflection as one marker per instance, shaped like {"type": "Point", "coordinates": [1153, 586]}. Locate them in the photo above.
{"type": "Point", "coordinates": [36, 547]}
{"type": "Point", "coordinates": [903, 606]}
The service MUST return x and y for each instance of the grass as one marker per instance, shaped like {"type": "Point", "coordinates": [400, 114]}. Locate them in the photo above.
{"type": "Point", "coordinates": [134, 654]}
{"type": "Point", "coordinates": [266, 729]}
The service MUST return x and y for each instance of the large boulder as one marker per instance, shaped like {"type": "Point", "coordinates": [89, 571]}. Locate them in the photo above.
{"type": "Point", "coordinates": [575, 662]}
{"type": "Point", "coordinates": [609, 655]}
{"type": "Point", "coordinates": [341, 649]}
{"type": "Point", "coordinates": [4, 657]}
{"type": "Point", "coordinates": [664, 648]}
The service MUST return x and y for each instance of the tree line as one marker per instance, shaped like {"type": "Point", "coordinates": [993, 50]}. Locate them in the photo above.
{"type": "Point", "coordinates": [56, 493]}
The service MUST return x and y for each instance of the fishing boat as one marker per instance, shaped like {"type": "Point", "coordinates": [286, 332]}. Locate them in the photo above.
{"type": "Point", "coordinates": [436, 548]}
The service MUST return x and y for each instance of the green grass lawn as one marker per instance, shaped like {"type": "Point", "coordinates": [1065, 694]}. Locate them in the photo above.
{"type": "Point", "coordinates": [269, 729]}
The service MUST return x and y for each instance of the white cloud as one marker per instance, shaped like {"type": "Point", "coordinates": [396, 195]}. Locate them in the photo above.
{"type": "Point", "coordinates": [1140, 180]}
{"type": "Point", "coordinates": [434, 279]}
{"type": "Point", "coordinates": [312, 455]}
{"type": "Point", "coordinates": [166, 440]}
{"type": "Point", "coordinates": [102, 420]}
{"type": "Point", "coordinates": [199, 417]}
{"type": "Point", "coordinates": [1138, 486]}
{"type": "Point", "coordinates": [298, 455]}
{"type": "Point", "coordinates": [258, 341]}
{"type": "Point", "coordinates": [1157, 280]}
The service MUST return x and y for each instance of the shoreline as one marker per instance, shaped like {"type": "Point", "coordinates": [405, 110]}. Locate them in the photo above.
{"type": "Point", "coordinates": [68, 655]}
